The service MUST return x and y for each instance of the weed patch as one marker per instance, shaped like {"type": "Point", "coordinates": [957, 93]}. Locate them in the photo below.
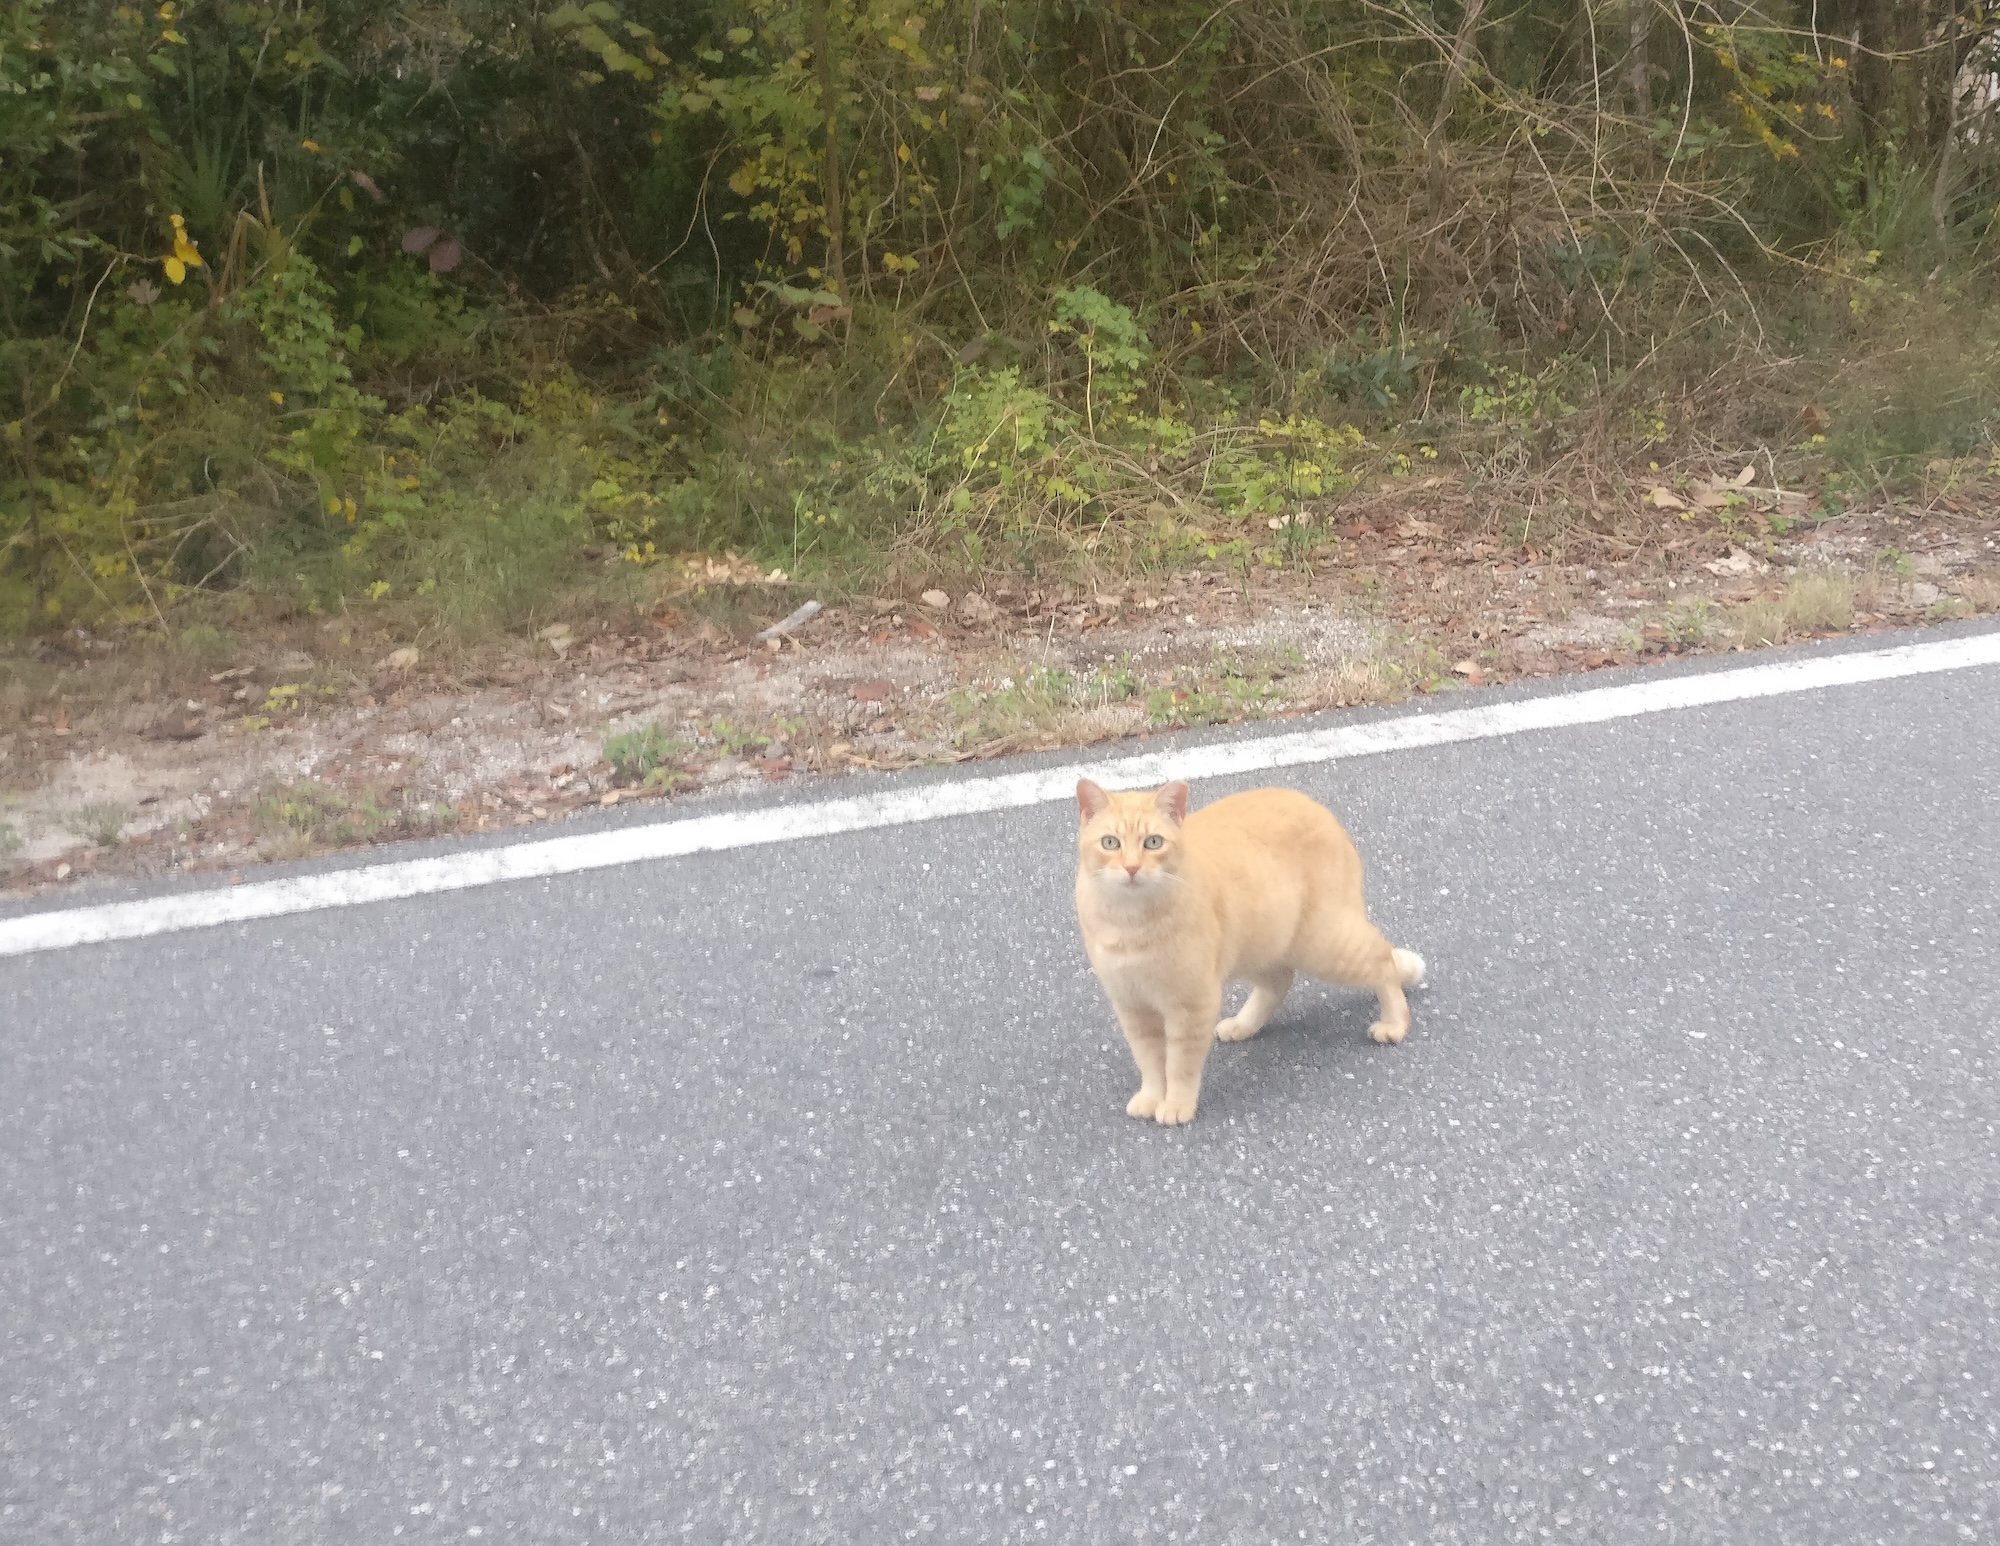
{"type": "Point", "coordinates": [101, 825]}
{"type": "Point", "coordinates": [301, 818]}
{"type": "Point", "coordinates": [1809, 604]}
{"type": "Point", "coordinates": [643, 756]}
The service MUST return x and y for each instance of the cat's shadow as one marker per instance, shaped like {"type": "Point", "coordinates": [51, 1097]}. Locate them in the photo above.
{"type": "Point", "coordinates": [1325, 1030]}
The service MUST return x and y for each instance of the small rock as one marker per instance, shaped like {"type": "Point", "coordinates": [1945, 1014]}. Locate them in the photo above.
{"type": "Point", "coordinates": [1735, 564]}
{"type": "Point", "coordinates": [404, 659]}
{"type": "Point", "coordinates": [935, 598]}
{"type": "Point", "coordinates": [976, 608]}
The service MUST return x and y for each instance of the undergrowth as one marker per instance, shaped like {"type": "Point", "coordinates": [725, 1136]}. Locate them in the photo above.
{"type": "Point", "coordinates": [849, 294]}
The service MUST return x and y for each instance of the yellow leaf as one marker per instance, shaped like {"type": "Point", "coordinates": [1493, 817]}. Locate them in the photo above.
{"type": "Point", "coordinates": [903, 154]}
{"type": "Point", "coordinates": [171, 36]}
{"type": "Point", "coordinates": [311, 145]}
{"type": "Point", "coordinates": [743, 181]}
{"type": "Point", "coordinates": [278, 398]}
{"type": "Point", "coordinates": [184, 252]}
{"type": "Point", "coordinates": [176, 270]}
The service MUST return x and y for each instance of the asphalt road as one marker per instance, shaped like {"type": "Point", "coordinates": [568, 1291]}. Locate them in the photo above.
{"type": "Point", "coordinates": [786, 1195]}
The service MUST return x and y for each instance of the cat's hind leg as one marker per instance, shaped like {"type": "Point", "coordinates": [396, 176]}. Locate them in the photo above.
{"type": "Point", "coordinates": [1266, 994]}
{"type": "Point", "coordinates": [1353, 952]}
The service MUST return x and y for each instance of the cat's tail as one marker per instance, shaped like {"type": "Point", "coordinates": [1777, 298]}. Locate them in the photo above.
{"type": "Point", "coordinates": [1410, 966]}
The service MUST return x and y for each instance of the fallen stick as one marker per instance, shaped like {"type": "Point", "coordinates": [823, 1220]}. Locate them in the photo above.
{"type": "Point", "coordinates": [798, 619]}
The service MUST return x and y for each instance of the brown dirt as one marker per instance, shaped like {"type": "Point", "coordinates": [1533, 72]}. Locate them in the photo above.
{"type": "Point", "coordinates": [116, 760]}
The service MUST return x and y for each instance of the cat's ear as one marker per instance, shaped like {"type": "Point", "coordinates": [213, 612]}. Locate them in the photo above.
{"type": "Point", "coordinates": [1172, 798]}
{"type": "Point", "coordinates": [1090, 799]}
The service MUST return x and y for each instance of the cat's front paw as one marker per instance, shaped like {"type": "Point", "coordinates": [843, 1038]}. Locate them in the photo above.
{"type": "Point", "coordinates": [1143, 1105]}
{"type": "Point", "coordinates": [1175, 1111]}
{"type": "Point", "coordinates": [1233, 1029]}
{"type": "Point", "coordinates": [1388, 1034]}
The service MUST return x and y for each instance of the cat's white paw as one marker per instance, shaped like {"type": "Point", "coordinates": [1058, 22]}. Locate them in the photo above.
{"type": "Point", "coordinates": [1143, 1105]}
{"type": "Point", "coordinates": [1388, 1034]}
{"type": "Point", "coordinates": [1410, 966]}
{"type": "Point", "coordinates": [1174, 1111]}
{"type": "Point", "coordinates": [1234, 1029]}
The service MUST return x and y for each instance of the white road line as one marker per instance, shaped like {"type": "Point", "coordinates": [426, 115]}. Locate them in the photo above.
{"type": "Point", "coordinates": [1001, 792]}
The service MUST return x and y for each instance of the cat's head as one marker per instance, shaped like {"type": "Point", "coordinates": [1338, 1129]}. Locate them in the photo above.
{"type": "Point", "coordinates": [1130, 843]}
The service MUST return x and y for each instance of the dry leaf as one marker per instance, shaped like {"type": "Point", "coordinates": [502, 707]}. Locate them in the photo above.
{"type": "Point", "coordinates": [1665, 498]}
{"type": "Point", "coordinates": [1743, 478]}
{"type": "Point", "coordinates": [398, 660]}
{"type": "Point", "coordinates": [1817, 420]}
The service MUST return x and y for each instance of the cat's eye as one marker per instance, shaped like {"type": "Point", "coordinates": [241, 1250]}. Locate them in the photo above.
{"type": "Point", "coordinates": [1156, 841]}
{"type": "Point", "coordinates": [1110, 842]}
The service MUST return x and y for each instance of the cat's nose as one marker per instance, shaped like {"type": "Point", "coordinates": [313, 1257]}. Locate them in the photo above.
{"type": "Point", "coordinates": [1132, 870]}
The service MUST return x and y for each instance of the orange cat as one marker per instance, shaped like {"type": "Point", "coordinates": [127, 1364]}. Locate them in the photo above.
{"type": "Point", "coordinates": [1252, 888]}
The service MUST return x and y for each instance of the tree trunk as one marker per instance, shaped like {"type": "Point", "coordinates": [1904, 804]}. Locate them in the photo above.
{"type": "Point", "coordinates": [830, 176]}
